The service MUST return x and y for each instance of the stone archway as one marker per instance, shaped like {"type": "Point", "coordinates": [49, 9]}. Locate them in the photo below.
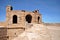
{"type": "Point", "coordinates": [28, 18]}
{"type": "Point", "coordinates": [14, 19]}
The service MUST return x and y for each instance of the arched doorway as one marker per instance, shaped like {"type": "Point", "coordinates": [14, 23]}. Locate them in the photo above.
{"type": "Point", "coordinates": [14, 19]}
{"type": "Point", "coordinates": [38, 19]}
{"type": "Point", "coordinates": [28, 18]}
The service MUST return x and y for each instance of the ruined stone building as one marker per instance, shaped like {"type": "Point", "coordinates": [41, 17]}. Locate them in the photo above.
{"type": "Point", "coordinates": [21, 22]}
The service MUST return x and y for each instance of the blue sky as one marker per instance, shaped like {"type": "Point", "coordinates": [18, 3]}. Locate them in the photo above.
{"type": "Point", "coordinates": [50, 9]}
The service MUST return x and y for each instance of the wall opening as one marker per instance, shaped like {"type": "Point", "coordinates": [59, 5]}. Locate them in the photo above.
{"type": "Point", "coordinates": [38, 19]}
{"type": "Point", "coordinates": [14, 19]}
{"type": "Point", "coordinates": [28, 18]}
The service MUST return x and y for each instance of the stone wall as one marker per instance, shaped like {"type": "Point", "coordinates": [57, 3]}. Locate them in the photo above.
{"type": "Point", "coordinates": [21, 16]}
{"type": "Point", "coordinates": [14, 32]}
{"type": "Point", "coordinates": [10, 31]}
{"type": "Point", "coordinates": [3, 34]}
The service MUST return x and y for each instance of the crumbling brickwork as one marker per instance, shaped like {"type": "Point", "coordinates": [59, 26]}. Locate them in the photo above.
{"type": "Point", "coordinates": [16, 21]}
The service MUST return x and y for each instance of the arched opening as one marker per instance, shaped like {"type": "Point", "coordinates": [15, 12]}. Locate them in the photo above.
{"type": "Point", "coordinates": [38, 19]}
{"type": "Point", "coordinates": [28, 18]}
{"type": "Point", "coordinates": [14, 19]}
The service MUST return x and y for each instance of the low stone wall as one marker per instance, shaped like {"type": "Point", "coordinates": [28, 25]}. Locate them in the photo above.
{"type": "Point", "coordinates": [9, 33]}
{"type": "Point", "coordinates": [3, 34]}
{"type": "Point", "coordinates": [14, 32]}
{"type": "Point", "coordinates": [52, 24]}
